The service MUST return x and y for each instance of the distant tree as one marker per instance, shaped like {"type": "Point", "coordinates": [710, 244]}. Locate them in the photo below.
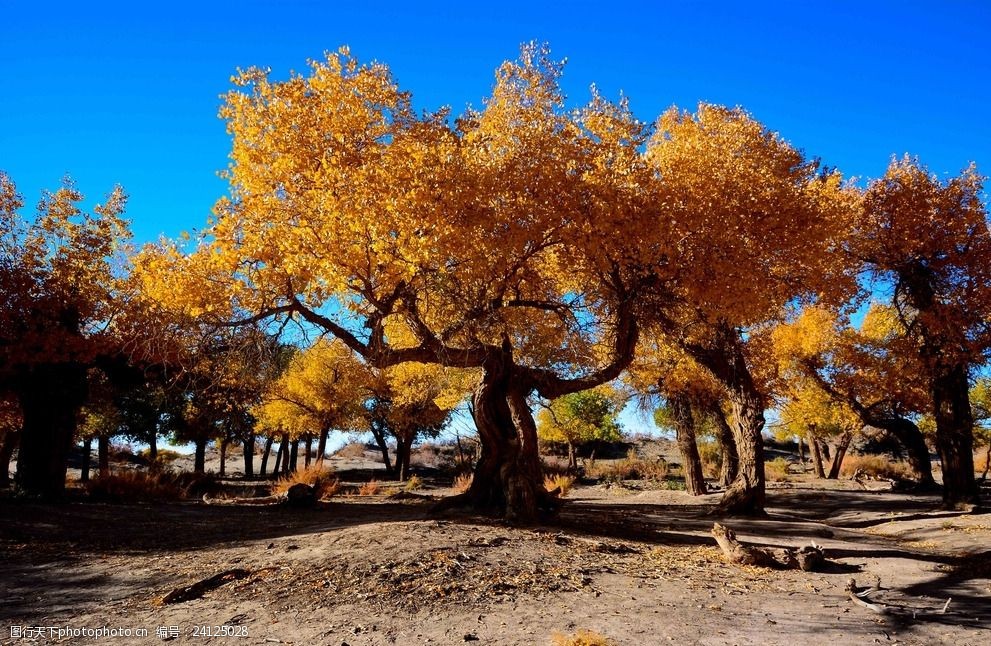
{"type": "Point", "coordinates": [577, 419]}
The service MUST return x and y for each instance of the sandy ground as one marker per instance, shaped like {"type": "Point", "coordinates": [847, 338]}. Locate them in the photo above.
{"type": "Point", "coordinates": [637, 566]}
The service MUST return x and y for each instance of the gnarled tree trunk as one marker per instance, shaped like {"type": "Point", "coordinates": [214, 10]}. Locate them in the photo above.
{"type": "Point", "coordinates": [841, 446]}
{"type": "Point", "coordinates": [684, 425]}
{"type": "Point", "coordinates": [816, 451]}
{"type": "Point", "coordinates": [50, 396]}
{"type": "Point", "coordinates": [954, 433]}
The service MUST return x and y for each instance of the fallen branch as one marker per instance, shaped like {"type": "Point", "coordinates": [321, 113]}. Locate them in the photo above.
{"type": "Point", "coordinates": [806, 559]}
{"type": "Point", "coordinates": [858, 597]}
{"type": "Point", "coordinates": [198, 589]}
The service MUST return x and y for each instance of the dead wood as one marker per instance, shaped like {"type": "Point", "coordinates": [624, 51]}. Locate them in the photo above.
{"type": "Point", "coordinates": [198, 589]}
{"type": "Point", "coordinates": [807, 558]}
{"type": "Point", "coordinates": [861, 597]}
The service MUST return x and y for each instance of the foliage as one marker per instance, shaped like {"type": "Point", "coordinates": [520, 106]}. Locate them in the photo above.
{"type": "Point", "coordinates": [582, 417]}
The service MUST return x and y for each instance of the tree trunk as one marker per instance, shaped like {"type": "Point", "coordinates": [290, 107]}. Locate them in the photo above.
{"type": "Point", "coordinates": [103, 455]}
{"type": "Point", "coordinates": [987, 463]}
{"type": "Point", "coordinates": [911, 438]}
{"type": "Point", "coordinates": [823, 448]}
{"type": "Point", "coordinates": [841, 447]}
{"type": "Point", "coordinates": [50, 396]}
{"type": "Point", "coordinates": [378, 432]}
{"type": "Point", "coordinates": [322, 445]}
{"type": "Point", "coordinates": [816, 452]}
{"type": "Point", "coordinates": [730, 463]}
{"type": "Point", "coordinates": [279, 459]}
{"type": "Point", "coordinates": [572, 458]}
{"type": "Point", "coordinates": [684, 425]}
{"type": "Point", "coordinates": [309, 450]}
{"type": "Point", "coordinates": [403, 447]}
{"type": "Point", "coordinates": [248, 446]}
{"type": "Point", "coordinates": [268, 450]}
{"type": "Point", "coordinates": [954, 434]}
{"type": "Point", "coordinates": [84, 469]}
{"type": "Point", "coordinates": [199, 461]}
{"type": "Point", "coordinates": [223, 457]}
{"type": "Point", "coordinates": [153, 449]}
{"type": "Point", "coordinates": [293, 455]}
{"type": "Point", "coordinates": [801, 451]}
{"type": "Point", "coordinates": [10, 441]}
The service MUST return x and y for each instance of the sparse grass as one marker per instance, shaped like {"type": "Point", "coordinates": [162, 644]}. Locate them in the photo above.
{"type": "Point", "coordinates": [413, 483]}
{"type": "Point", "coordinates": [370, 488]}
{"type": "Point", "coordinates": [632, 467]}
{"type": "Point", "coordinates": [776, 470]}
{"type": "Point", "coordinates": [581, 638]}
{"type": "Point", "coordinates": [875, 466]}
{"type": "Point", "coordinates": [562, 483]}
{"type": "Point", "coordinates": [463, 482]}
{"type": "Point", "coordinates": [135, 485]}
{"type": "Point", "coordinates": [318, 476]}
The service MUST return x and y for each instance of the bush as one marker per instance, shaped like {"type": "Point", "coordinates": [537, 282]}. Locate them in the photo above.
{"type": "Point", "coordinates": [582, 638]}
{"type": "Point", "coordinates": [134, 485]}
{"type": "Point", "coordinates": [413, 483]}
{"type": "Point", "coordinates": [370, 488]}
{"type": "Point", "coordinates": [776, 470]}
{"type": "Point", "coordinates": [874, 466]}
{"type": "Point", "coordinates": [562, 483]}
{"type": "Point", "coordinates": [632, 467]}
{"type": "Point", "coordinates": [463, 482]}
{"type": "Point", "coordinates": [352, 450]}
{"type": "Point", "coordinates": [318, 476]}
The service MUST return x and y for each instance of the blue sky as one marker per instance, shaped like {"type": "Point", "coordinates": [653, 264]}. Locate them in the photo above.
{"type": "Point", "coordinates": [128, 92]}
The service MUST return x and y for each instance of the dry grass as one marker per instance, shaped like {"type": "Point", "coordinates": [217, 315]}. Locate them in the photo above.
{"type": "Point", "coordinates": [562, 483]}
{"type": "Point", "coordinates": [981, 462]}
{"type": "Point", "coordinates": [413, 483]}
{"type": "Point", "coordinates": [370, 488]}
{"type": "Point", "coordinates": [776, 470]}
{"type": "Point", "coordinates": [318, 476]}
{"type": "Point", "coordinates": [136, 486]}
{"type": "Point", "coordinates": [352, 450]}
{"type": "Point", "coordinates": [582, 638]}
{"type": "Point", "coordinates": [875, 466]}
{"type": "Point", "coordinates": [463, 482]}
{"type": "Point", "coordinates": [632, 467]}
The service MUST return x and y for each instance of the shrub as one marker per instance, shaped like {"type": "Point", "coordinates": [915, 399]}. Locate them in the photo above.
{"type": "Point", "coordinates": [463, 482]}
{"type": "Point", "coordinates": [562, 483]}
{"type": "Point", "coordinates": [582, 638]}
{"type": "Point", "coordinates": [318, 476]}
{"type": "Point", "coordinates": [370, 488]}
{"type": "Point", "coordinates": [351, 450]}
{"type": "Point", "coordinates": [135, 485]}
{"type": "Point", "coordinates": [776, 470]}
{"type": "Point", "coordinates": [874, 466]}
{"type": "Point", "coordinates": [413, 483]}
{"type": "Point", "coordinates": [632, 467]}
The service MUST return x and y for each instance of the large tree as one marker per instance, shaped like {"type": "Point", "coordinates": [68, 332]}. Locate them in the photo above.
{"type": "Point", "coordinates": [929, 241]}
{"type": "Point", "coordinates": [348, 211]}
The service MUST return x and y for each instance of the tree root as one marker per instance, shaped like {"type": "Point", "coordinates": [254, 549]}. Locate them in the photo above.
{"type": "Point", "coordinates": [807, 559]}
{"type": "Point", "coordinates": [198, 589]}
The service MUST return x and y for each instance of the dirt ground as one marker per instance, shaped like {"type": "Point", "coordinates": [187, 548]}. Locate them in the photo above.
{"type": "Point", "coordinates": [639, 567]}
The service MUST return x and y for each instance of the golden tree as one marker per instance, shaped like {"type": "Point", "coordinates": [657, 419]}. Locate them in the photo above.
{"type": "Point", "coordinates": [577, 419]}
{"type": "Point", "coordinates": [929, 240]}
{"type": "Point", "coordinates": [348, 212]}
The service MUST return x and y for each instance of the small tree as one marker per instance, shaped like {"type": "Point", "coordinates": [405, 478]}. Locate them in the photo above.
{"type": "Point", "coordinates": [577, 419]}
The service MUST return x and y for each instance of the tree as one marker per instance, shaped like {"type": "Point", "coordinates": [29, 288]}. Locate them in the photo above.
{"type": "Point", "coordinates": [929, 240]}
{"type": "Point", "coordinates": [348, 211]}
{"type": "Point", "coordinates": [746, 225]}
{"type": "Point", "coordinates": [62, 285]}
{"type": "Point", "coordinates": [577, 419]}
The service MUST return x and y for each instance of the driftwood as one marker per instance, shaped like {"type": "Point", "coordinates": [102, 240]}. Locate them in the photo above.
{"type": "Point", "coordinates": [861, 597]}
{"type": "Point", "coordinates": [198, 589]}
{"type": "Point", "coordinates": [804, 558]}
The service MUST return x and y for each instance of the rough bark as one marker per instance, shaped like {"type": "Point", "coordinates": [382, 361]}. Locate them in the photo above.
{"type": "Point", "coordinates": [293, 455]}
{"type": "Point", "coordinates": [199, 459]}
{"type": "Point", "coordinates": [10, 441]}
{"type": "Point", "coordinates": [730, 460]}
{"type": "Point", "coordinates": [841, 446]}
{"type": "Point", "coordinates": [50, 396]}
{"type": "Point", "coordinates": [816, 451]}
{"type": "Point", "coordinates": [806, 559]}
{"type": "Point", "coordinates": [248, 447]}
{"type": "Point", "coordinates": [268, 451]}
{"type": "Point", "coordinates": [684, 424]}
{"type": "Point", "coordinates": [322, 445]}
{"type": "Point", "coordinates": [954, 434]}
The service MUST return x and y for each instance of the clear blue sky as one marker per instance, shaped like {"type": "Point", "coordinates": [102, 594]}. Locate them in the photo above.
{"type": "Point", "coordinates": [128, 92]}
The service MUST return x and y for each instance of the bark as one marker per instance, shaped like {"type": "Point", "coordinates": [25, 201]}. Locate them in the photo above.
{"type": "Point", "coordinates": [293, 455]}
{"type": "Point", "coordinates": [572, 458]}
{"type": "Point", "coordinates": [248, 446]}
{"type": "Point", "coordinates": [84, 470]}
{"type": "Point", "coordinates": [279, 459]}
{"type": "Point", "coordinates": [404, 444]}
{"type": "Point", "coordinates": [268, 451]}
{"type": "Point", "coordinates": [153, 449]}
{"type": "Point", "coordinates": [801, 452]}
{"type": "Point", "coordinates": [954, 434]}
{"type": "Point", "coordinates": [684, 424]}
{"type": "Point", "coordinates": [322, 445]}
{"type": "Point", "coordinates": [378, 432]}
{"type": "Point", "coordinates": [103, 455]}
{"type": "Point", "coordinates": [806, 559]}
{"type": "Point", "coordinates": [841, 446]}
{"type": "Point", "coordinates": [816, 451]}
{"type": "Point", "coordinates": [50, 396]}
{"type": "Point", "coordinates": [10, 441]}
{"type": "Point", "coordinates": [727, 446]}
{"type": "Point", "coordinates": [199, 461]}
